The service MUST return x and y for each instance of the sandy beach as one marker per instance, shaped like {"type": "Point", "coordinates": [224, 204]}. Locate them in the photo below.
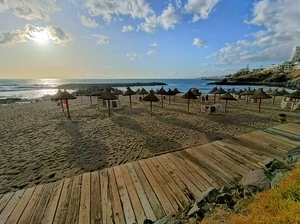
{"type": "Point", "coordinates": [39, 145]}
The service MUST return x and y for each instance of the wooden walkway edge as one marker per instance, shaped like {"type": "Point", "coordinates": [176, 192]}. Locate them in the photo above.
{"type": "Point", "coordinates": [149, 188]}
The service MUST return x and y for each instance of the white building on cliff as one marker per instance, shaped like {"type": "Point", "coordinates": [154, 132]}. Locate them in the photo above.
{"type": "Point", "coordinates": [295, 54]}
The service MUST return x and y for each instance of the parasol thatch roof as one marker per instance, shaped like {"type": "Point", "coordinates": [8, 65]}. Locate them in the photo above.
{"type": "Point", "coordinates": [89, 92]}
{"type": "Point", "coordinates": [213, 90]}
{"type": "Point", "coordinates": [151, 97]}
{"type": "Point", "coordinates": [57, 95]}
{"type": "Point", "coordinates": [151, 91]}
{"type": "Point", "coordinates": [97, 92]}
{"type": "Point", "coordinates": [269, 91]}
{"type": "Point", "coordinates": [227, 96]}
{"type": "Point", "coordinates": [232, 90]}
{"type": "Point", "coordinates": [176, 91]}
{"type": "Point", "coordinates": [162, 91]}
{"type": "Point", "coordinates": [137, 91]}
{"type": "Point", "coordinates": [247, 92]}
{"type": "Point", "coordinates": [294, 95]}
{"type": "Point", "coordinates": [117, 92]}
{"type": "Point", "coordinates": [260, 94]}
{"type": "Point", "coordinates": [170, 92]}
{"type": "Point", "coordinates": [143, 91]}
{"type": "Point", "coordinates": [238, 92]}
{"type": "Point", "coordinates": [107, 95]}
{"type": "Point", "coordinates": [128, 92]}
{"type": "Point", "coordinates": [63, 96]}
{"type": "Point", "coordinates": [284, 92]}
{"type": "Point", "coordinates": [196, 92]}
{"type": "Point", "coordinates": [219, 91]}
{"type": "Point", "coordinates": [276, 93]}
{"type": "Point", "coordinates": [189, 95]}
{"type": "Point", "coordinates": [80, 92]}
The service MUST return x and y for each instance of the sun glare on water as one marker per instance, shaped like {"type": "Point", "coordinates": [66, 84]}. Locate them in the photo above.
{"type": "Point", "coordinates": [41, 37]}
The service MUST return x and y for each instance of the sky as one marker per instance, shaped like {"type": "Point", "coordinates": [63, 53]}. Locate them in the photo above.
{"type": "Point", "coordinates": [130, 39]}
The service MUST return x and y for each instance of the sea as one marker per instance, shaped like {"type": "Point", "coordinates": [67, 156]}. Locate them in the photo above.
{"type": "Point", "coordinates": [37, 88]}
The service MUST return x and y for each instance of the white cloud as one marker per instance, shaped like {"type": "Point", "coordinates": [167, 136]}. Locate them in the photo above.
{"type": "Point", "coordinates": [102, 39]}
{"type": "Point", "coordinates": [152, 52]}
{"type": "Point", "coordinates": [167, 20]}
{"type": "Point", "coordinates": [30, 9]}
{"type": "Point", "coordinates": [30, 32]}
{"type": "Point", "coordinates": [127, 28]}
{"type": "Point", "coordinates": [154, 45]}
{"type": "Point", "coordinates": [198, 42]}
{"type": "Point", "coordinates": [107, 8]}
{"type": "Point", "coordinates": [133, 56]}
{"type": "Point", "coordinates": [88, 22]}
{"type": "Point", "coordinates": [200, 8]}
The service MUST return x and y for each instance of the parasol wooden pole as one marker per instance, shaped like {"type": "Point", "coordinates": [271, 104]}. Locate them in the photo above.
{"type": "Point", "coordinates": [174, 98]}
{"type": "Point", "coordinates": [62, 106]}
{"type": "Point", "coordinates": [274, 100]}
{"type": "Point", "coordinates": [259, 104]}
{"type": "Point", "coordinates": [219, 97]}
{"type": "Point", "coordinates": [225, 105]}
{"type": "Point", "coordinates": [108, 108]}
{"type": "Point", "coordinates": [169, 99]}
{"type": "Point", "coordinates": [188, 105]}
{"type": "Point", "coordinates": [162, 101]}
{"type": "Point", "coordinates": [215, 97]}
{"type": "Point", "coordinates": [98, 103]}
{"type": "Point", "coordinates": [293, 105]}
{"type": "Point", "coordinates": [246, 98]}
{"type": "Point", "coordinates": [68, 109]}
{"type": "Point", "coordinates": [91, 100]}
{"type": "Point", "coordinates": [130, 101]}
{"type": "Point", "coordinates": [151, 108]}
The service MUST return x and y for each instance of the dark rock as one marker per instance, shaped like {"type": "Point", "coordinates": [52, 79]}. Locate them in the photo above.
{"type": "Point", "coordinates": [254, 190]}
{"type": "Point", "coordinates": [164, 220]}
{"type": "Point", "coordinates": [273, 164]}
{"type": "Point", "coordinates": [209, 195]}
{"type": "Point", "coordinates": [225, 189]}
{"type": "Point", "coordinates": [148, 221]}
{"type": "Point", "coordinates": [256, 178]}
{"type": "Point", "coordinates": [237, 191]}
{"type": "Point", "coordinates": [278, 175]}
{"type": "Point", "coordinates": [225, 198]}
{"type": "Point", "coordinates": [293, 156]}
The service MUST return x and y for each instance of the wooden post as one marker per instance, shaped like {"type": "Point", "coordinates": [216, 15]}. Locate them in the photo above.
{"type": "Point", "coordinates": [188, 105]}
{"type": "Point", "coordinates": [274, 100]}
{"type": "Point", "coordinates": [130, 101]}
{"type": "Point", "coordinates": [151, 107]}
{"type": "Point", "coordinates": [91, 100]}
{"type": "Point", "coordinates": [108, 108]}
{"type": "Point", "coordinates": [219, 98]}
{"type": "Point", "coordinates": [62, 106]}
{"type": "Point", "coordinates": [68, 109]}
{"type": "Point", "coordinates": [259, 105]}
{"type": "Point", "coordinates": [293, 105]}
{"type": "Point", "coordinates": [225, 105]}
{"type": "Point", "coordinates": [162, 101]}
{"type": "Point", "coordinates": [215, 98]}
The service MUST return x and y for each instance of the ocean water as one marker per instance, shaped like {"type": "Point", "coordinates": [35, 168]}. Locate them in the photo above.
{"type": "Point", "coordinates": [37, 88]}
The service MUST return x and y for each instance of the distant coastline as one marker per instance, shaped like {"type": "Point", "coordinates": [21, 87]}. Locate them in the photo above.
{"type": "Point", "coordinates": [246, 83]}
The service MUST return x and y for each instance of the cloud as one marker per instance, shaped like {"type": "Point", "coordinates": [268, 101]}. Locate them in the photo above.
{"type": "Point", "coordinates": [167, 20]}
{"type": "Point", "coordinates": [152, 52]}
{"type": "Point", "coordinates": [88, 22]}
{"type": "Point", "coordinates": [54, 33]}
{"type": "Point", "coordinates": [197, 42]}
{"type": "Point", "coordinates": [102, 39]}
{"type": "Point", "coordinates": [133, 56]}
{"type": "Point", "coordinates": [275, 40]}
{"type": "Point", "coordinates": [107, 8]}
{"type": "Point", "coordinates": [30, 10]}
{"type": "Point", "coordinates": [127, 28]}
{"type": "Point", "coordinates": [200, 8]}
{"type": "Point", "coordinates": [154, 45]}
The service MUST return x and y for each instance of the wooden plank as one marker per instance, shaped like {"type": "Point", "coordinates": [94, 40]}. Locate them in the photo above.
{"type": "Point", "coordinates": [167, 206]}
{"type": "Point", "coordinates": [74, 203]}
{"type": "Point", "coordinates": [292, 137]}
{"type": "Point", "coordinates": [171, 183]}
{"type": "Point", "coordinates": [126, 203]}
{"type": "Point", "coordinates": [134, 198]}
{"type": "Point", "coordinates": [155, 204]}
{"type": "Point", "coordinates": [53, 203]}
{"type": "Point", "coordinates": [32, 204]}
{"type": "Point", "coordinates": [16, 214]}
{"type": "Point", "coordinates": [280, 140]}
{"type": "Point", "coordinates": [42, 204]}
{"type": "Point", "coordinates": [1, 195]}
{"type": "Point", "coordinates": [85, 199]}
{"type": "Point", "coordinates": [142, 196]}
{"type": "Point", "coordinates": [175, 202]}
{"type": "Point", "coordinates": [118, 214]}
{"type": "Point", "coordinates": [107, 213]}
{"type": "Point", "coordinates": [96, 205]}
{"type": "Point", "coordinates": [189, 171]}
{"type": "Point", "coordinates": [4, 200]}
{"type": "Point", "coordinates": [10, 206]}
{"type": "Point", "coordinates": [64, 200]}
{"type": "Point", "coordinates": [291, 128]}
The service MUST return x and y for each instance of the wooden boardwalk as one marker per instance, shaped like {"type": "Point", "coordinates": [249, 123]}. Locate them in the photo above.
{"type": "Point", "coordinates": [149, 188]}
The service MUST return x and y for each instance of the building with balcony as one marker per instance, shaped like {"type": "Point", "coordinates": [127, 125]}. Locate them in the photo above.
{"type": "Point", "coordinates": [295, 54]}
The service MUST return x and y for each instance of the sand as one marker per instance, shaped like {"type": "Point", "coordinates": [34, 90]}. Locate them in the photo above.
{"type": "Point", "coordinates": [39, 145]}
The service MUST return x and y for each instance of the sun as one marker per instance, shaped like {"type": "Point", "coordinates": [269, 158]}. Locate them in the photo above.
{"type": "Point", "coordinates": [41, 37]}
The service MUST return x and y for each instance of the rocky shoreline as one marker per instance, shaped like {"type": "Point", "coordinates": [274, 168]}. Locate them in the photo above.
{"type": "Point", "coordinates": [109, 85]}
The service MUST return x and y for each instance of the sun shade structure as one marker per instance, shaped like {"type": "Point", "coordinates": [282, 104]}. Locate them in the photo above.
{"type": "Point", "coordinates": [137, 91]}
{"type": "Point", "coordinates": [89, 93]}
{"type": "Point", "coordinates": [57, 96]}
{"type": "Point", "coordinates": [152, 98]}
{"type": "Point", "coordinates": [143, 92]}
{"type": "Point", "coordinates": [260, 94]}
{"type": "Point", "coordinates": [294, 95]}
{"type": "Point", "coordinates": [162, 92]}
{"type": "Point", "coordinates": [213, 90]}
{"type": "Point", "coordinates": [227, 96]}
{"type": "Point", "coordinates": [284, 92]}
{"type": "Point", "coordinates": [64, 96]}
{"type": "Point", "coordinates": [129, 92]}
{"type": "Point", "coordinates": [117, 92]}
{"type": "Point", "coordinates": [80, 93]}
{"type": "Point", "coordinates": [274, 94]}
{"type": "Point", "coordinates": [189, 95]}
{"type": "Point", "coordinates": [220, 92]}
{"type": "Point", "coordinates": [247, 93]}
{"type": "Point", "coordinates": [107, 95]}
{"type": "Point", "coordinates": [196, 92]}
{"type": "Point", "coordinates": [232, 90]}
{"type": "Point", "coordinates": [97, 92]}
{"type": "Point", "coordinates": [175, 91]}
{"type": "Point", "coordinates": [170, 93]}
{"type": "Point", "coordinates": [269, 91]}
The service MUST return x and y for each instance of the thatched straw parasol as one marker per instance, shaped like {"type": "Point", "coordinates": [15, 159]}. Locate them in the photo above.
{"type": "Point", "coordinates": [107, 95]}
{"type": "Point", "coordinates": [57, 96]}
{"type": "Point", "coordinates": [196, 92]}
{"type": "Point", "coordinates": [88, 93]}
{"type": "Point", "coordinates": [80, 93]}
{"type": "Point", "coordinates": [295, 95]}
{"type": "Point", "coordinates": [117, 92]}
{"type": "Point", "coordinates": [137, 91]}
{"type": "Point", "coordinates": [220, 92]}
{"type": "Point", "coordinates": [152, 98]}
{"type": "Point", "coordinates": [269, 90]}
{"type": "Point", "coordinates": [232, 90]}
{"type": "Point", "coordinates": [64, 96]}
{"type": "Point", "coordinates": [260, 94]}
{"type": "Point", "coordinates": [213, 90]}
{"type": "Point", "coordinates": [227, 96]}
{"type": "Point", "coordinates": [170, 93]}
{"type": "Point", "coordinates": [274, 94]}
{"type": "Point", "coordinates": [162, 92]}
{"type": "Point", "coordinates": [175, 91]}
{"type": "Point", "coordinates": [97, 93]}
{"type": "Point", "coordinates": [143, 92]}
{"type": "Point", "coordinates": [284, 92]}
{"type": "Point", "coordinates": [151, 91]}
{"type": "Point", "coordinates": [247, 93]}
{"type": "Point", "coordinates": [189, 95]}
{"type": "Point", "coordinates": [129, 92]}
